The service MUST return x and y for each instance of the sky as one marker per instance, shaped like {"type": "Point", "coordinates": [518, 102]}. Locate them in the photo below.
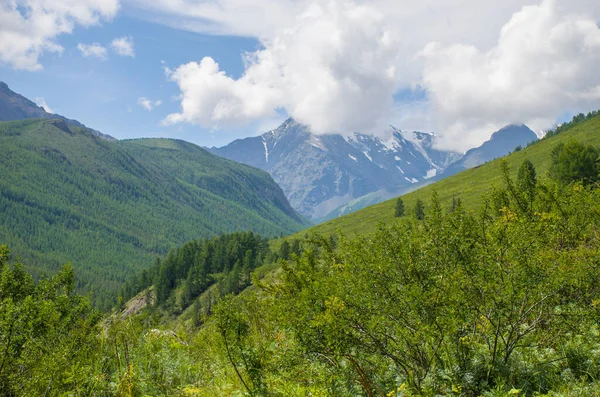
{"type": "Point", "coordinates": [213, 71]}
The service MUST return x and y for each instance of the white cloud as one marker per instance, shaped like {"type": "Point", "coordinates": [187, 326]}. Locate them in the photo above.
{"type": "Point", "coordinates": [336, 64]}
{"type": "Point", "coordinates": [29, 28]}
{"type": "Point", "coordinates": [40, 101]}
{"type": "Point", "coordinates": [123, 46]}
{"type": "Point", "coordinates": [258, 18]}
{"type": "Point", "coordinates": [544, 63]}
{"type": "Point", "coordinates": [93, 50]}
{"type": "Point", "coordinates": [148, 104]}
{"type": "Point", "coordinates": [209, 97]}
{"type": "Point", "coordinates": [334, 69]}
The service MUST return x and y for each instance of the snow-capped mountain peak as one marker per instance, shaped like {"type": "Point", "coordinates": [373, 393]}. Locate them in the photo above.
{"type": "Point", "coordinates": [319, 173]}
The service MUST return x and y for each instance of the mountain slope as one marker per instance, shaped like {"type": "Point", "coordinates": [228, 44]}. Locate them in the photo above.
{"type": "Point", "coordinates": [500, 144]}
{"type": "Point", "coordinates": [111, 207]}
{"type": "Point", "coordinates": [468, 185]}
{"type": "Point", "coordinates": [14, 106]}
{"type": "Point", "coordinates": [319, 173]}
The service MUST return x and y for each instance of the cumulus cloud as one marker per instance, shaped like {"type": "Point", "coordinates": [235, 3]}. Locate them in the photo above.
{"type": "Point", "coordinates": [93, 50]}
{"type": "Point", "coordinates": [123, 46]}
{"type": "Point", "coordinates": [338, 65]}
{"type": "Point", "coordinates": [544, 63]}
{"type": "Point", "coordinates": [29, 28]}
{"type": "Point", "coordinates": [40, 101]}
{"type": "Point", "coordinates": [148, 104]}
{"type": "Point", "coordinates": [334, 69]}
{"type": "Point", "coordinates": [209, 97]}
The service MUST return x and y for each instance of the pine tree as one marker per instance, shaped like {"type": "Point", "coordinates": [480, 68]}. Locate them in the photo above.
{"type": "Point", "coordinates": [526, 181]}
{"type": "Point", "coordinates": [399, 207]}
{"type": "Point", "coordinates": [285, 251]}
{"type": "Point", "coordinates": [456, 203]}
{"type": "Point", "coordinates": [420, 210]}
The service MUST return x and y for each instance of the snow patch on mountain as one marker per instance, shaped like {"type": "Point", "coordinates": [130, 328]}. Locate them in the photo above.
{"type": "Point", "coordinates": [314, 172]}
{"type": "Point", "coordinates": [316, 142]}
{"type": "Point", "coordinates": [264, 142]}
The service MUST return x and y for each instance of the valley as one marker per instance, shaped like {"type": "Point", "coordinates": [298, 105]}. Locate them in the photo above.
{"type": "Point", "coordinates": [155, 267]}
{"type": "Point", "coordinates": [111, 207]}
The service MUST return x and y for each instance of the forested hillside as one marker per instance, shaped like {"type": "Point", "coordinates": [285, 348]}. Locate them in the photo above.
{"type": "Point", "coordinates": [111, 207]}
{"type": "Point", "coordinates": [498, 302]}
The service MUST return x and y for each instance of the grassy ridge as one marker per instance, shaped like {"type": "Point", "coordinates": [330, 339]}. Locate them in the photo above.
{"type": "Point", "coordinates": [111, 207]}
{"type": "Point", "coordinates": [469, 185]}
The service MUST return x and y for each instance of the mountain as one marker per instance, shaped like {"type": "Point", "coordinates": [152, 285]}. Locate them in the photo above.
{"type": "Point", "coordinates": [14, 106]}
{"type": "Point", "coordinates": [500, 144]}
{"type": "Point", "coordinates": [319, 173]}
{"type": "Point", "coordinates": [468, 185]}
{"type": "Point", "coordinates": [111, 207]}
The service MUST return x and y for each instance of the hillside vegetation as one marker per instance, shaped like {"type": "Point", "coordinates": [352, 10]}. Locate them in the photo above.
{"type": "Point", "coordinates": [469, 186]}
{"type": "Point", "coordinates": [112, 207]}
{"type": "Point", "coordinates": [499, 302]}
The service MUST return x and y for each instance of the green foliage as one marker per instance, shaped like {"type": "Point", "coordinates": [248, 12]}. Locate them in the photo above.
{"type": "Point", "coordinates": [456, 203]}
{"type": "Point", "coordinates": [233, 326]}
{"type": "Point", "coordinates": [527, 181]}
{"type": "Point", "coordinates": [112, 207]}
{"type": "Point", "coordinates": [457, 303]}
{"type": "Point", "coordinates": [399, 210]}
{"type": "Point", "coordinates": [577, 119]}
{"type": "Point", "coordinates": [188, 271]}
{"type": "Point", "coordinates": [47, 333]}
{"type": "Point", "coordinates": [503, 301]}
{"type": "Point", "coordinates": [575, 162]}
{"type": "Point", "coordinates": [285, 250]}
{"type": "Point", "coordinates": [420, 210]}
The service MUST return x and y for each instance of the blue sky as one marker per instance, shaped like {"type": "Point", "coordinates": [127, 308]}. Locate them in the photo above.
{"type": "Point", "coordinates": [212, 71]}
{"type": "Point", "coordinates": [103, 94]}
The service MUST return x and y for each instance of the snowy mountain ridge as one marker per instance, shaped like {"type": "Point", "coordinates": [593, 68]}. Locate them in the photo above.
{"type": "Point", "coordinates": [319, 173]}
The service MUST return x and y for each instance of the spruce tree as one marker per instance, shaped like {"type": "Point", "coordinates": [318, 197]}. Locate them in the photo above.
{"type": "Point", "coordinates": [399, 207]}
{"type": "Point", "coordinates": [526, 181]}
{"type": "Point", "coordinates": [420, 210]}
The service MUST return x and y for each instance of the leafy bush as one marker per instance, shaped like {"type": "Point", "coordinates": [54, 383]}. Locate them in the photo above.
{"type": "Point", "coordinates": [575, 162]}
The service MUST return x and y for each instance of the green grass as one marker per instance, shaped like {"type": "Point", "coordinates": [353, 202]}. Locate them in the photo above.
{"type": "Point", "coordinates": [111, 207]}
{"type": "Point", "coordinates": [469, 185]}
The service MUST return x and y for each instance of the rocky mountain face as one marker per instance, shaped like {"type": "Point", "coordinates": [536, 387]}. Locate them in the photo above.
{"type": "Point", "coordinates": [319, 173]}
{"type": "Point", "coordinates": [500, 144]}
{"type": "Point", "coordinates": [14, 106]}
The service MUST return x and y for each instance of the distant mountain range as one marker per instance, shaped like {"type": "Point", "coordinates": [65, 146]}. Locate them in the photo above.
{"type": "Point", "coordinates": [325, 176]}
{"type": "Point", "coordinates": [320, 173]}
{"type": "Point", "coordinates": [500, 144]}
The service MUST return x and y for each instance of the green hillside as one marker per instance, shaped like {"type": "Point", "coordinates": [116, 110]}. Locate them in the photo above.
{"type": "Point", "coordinates": [469, 185]}
{"type": "Point", "coordinates": [111, 207]}
{"type": "Point", "coordinates": [456, 304]}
